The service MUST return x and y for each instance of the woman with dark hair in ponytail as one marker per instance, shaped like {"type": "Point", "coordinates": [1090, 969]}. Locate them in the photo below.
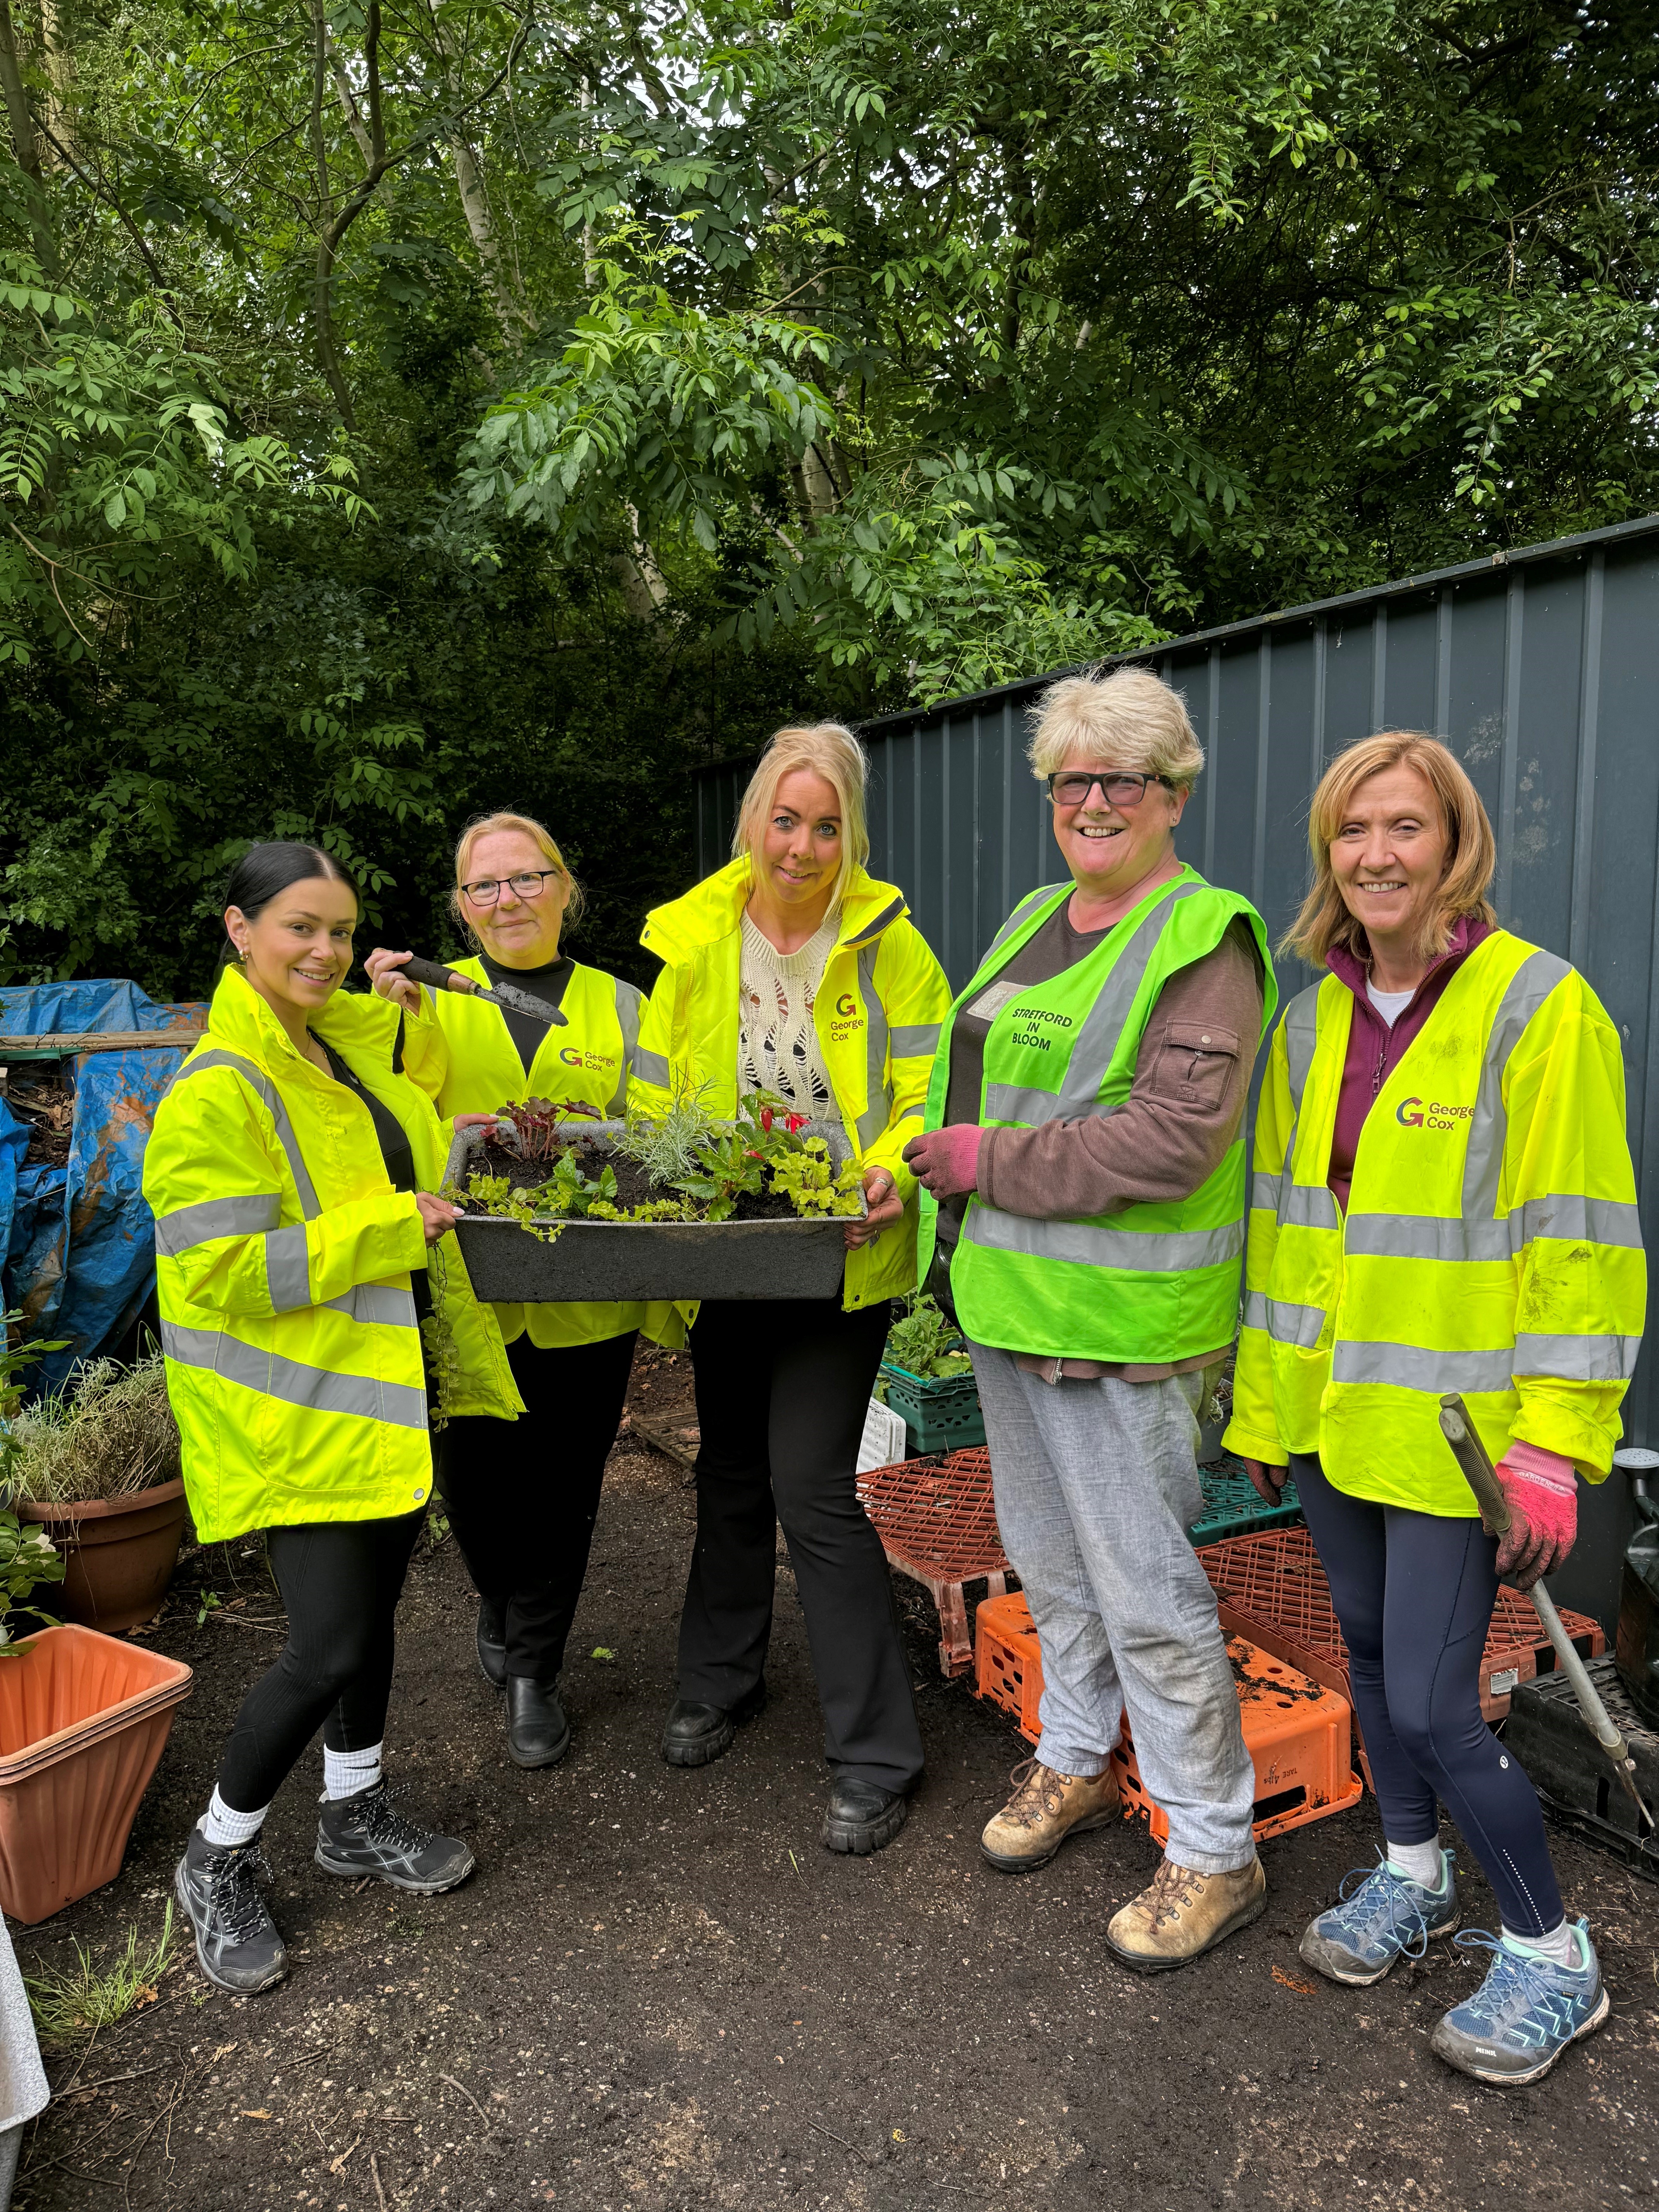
{"type": "Point", "coordinates": [301, 1259]}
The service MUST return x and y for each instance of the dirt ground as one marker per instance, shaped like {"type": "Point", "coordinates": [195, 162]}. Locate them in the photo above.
{"type": "Point", "coordinates": [659, 1991]}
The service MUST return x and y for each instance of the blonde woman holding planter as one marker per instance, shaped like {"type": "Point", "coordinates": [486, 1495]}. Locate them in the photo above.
{"type": "Point", "coordinates": [291, 1173]}
{"type": "Point", "coordinates": [523, 1502]}
{"type": "Point", "coordinates": [792, 971]}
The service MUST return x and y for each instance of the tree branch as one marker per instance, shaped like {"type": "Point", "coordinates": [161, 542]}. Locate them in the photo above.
{"type": "Point", "coordinates": [102, 192]}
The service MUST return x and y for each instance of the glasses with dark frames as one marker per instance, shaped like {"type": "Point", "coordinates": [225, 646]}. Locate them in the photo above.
{"type": "Point", "coordinates": [1122, 787]}
{"type": "Point", "coordinates": [488, 889]}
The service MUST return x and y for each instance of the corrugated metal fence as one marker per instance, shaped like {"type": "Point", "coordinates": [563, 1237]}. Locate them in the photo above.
{"type": "Point", "coordinates": [1540, 669]}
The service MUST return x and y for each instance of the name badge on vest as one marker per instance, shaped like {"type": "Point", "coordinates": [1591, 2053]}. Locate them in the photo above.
{"type": "Point", "coordinates": [992, 1000]}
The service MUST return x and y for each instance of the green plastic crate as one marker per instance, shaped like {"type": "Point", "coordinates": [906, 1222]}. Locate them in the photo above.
{"type": "Point", "coordinates": [1233, 1508]}
{"type": "Point", "coordinates": [941, 1412]}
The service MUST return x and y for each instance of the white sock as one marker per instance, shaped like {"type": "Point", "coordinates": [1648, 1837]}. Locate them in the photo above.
{"type": "Point", "coordinates": [1423, 1863]}
{"type": "Point", "coordinates": [1559, 1945]}
{"type": "Point", "coordinates": [225, 1827]}
{"type": "Point", "coordinates": [346, 1772]}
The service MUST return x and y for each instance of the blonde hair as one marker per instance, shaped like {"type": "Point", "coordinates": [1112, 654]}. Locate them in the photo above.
{"type": "Point", "coordinates": [1325, 920]}
{"type": "Point", "coordinates": [825, 749]}
{"type": "Point", "coordinates": [527, 826]}
{"type": "Point", "coordinates": [1129, 719]}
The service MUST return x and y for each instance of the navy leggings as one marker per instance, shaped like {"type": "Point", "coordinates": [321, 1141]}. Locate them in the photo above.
{"type": "Point", "coordinates": [1414, 1592]}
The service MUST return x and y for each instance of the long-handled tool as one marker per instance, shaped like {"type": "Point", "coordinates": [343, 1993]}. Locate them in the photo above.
{"type": "Point", "coordinates": [1478, 1471]}
{"type": "Point", "coordinates": [507, 996]}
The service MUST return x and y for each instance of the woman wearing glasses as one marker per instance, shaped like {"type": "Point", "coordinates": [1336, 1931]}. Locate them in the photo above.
{"type": "Point", "coordinates": [1085, 1161]}
{"type": "Point", "coordinates": [523, 1501]}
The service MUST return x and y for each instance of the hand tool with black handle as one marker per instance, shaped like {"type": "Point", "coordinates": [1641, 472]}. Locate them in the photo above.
{"type": "Point", "coordinates": [1478, 1471]}
{"type": "Point", "coordinates": [507, 996]}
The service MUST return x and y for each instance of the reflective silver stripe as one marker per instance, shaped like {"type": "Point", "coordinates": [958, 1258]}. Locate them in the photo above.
{"type": "Point", "coordinates": [265, 1090]}
{"type": "Point", "coordinates": [1144, 1252]}
{"type": "Point", "coordinates": [628, 1001]}
{"type": "Point", "coordinates": [376, 1301]}
{"type": "Point", "coordinates": [1588, 1220]}
{"type": "Point", "coordinates": [318, 1389]}
{"type": "Point", "coordinates": [888, 915]}
{"type": "Point", "coordinates": [1022, 914]}
{"type": "Point", "coordinates": [651, 1067]}
{"type": "Point", "coordinates": [288, 1268]}
{"type": "Point", "coordinates": [1435, 1236]}
{"type": "Point", "coordinates": [1578, 1359]}
{"type": "Point", "coordinates": [1411, 1367]}
{"type": "Point", "coordinates": [1301, 1036]}
{"type": "Point", "coordinates": [1531, 984]}
{"type": "Point", "coordinates": [877, 1096]}
{"type": "Point", "coordinates": [1286, 1324]}
{"type": "Point", "coordinates": [186, 1226]}
{"type": "Point", "coordinates": [1097, 1036]}
{"type": "Point", "coordinates": [1308, 1206]}
{"type": "Point", "coordinates": [914, 1039]}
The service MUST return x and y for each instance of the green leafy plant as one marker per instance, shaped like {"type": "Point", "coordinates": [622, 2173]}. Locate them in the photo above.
{"type": "Point", "coordinates": [68, 2001]}
{"type": "Point", "coordinates": [924, 1343]}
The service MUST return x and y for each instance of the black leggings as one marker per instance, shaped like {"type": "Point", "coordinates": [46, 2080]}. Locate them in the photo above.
{"type": "Point", "coordinates": [340, 1582]}
{"type": "Point", "coordinates": [783, 1388]}
{"type": "Point", "coordinates": [523, 1496]}
{"type": "Point", "coordinates": [1414, 1594]}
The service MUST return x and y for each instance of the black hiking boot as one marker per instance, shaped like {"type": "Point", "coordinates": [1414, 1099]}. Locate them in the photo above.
{"type": "Point", "coordinates": [367, 1834]}
{"type": "Point", "coordinates": [492, 1641]}
{"type": "Point", "coordinates": [695, 1734]}
{"type": "Point", "coordinates": [236, 1939]}
{"type": "Point", "coordinates": [537, 1733]}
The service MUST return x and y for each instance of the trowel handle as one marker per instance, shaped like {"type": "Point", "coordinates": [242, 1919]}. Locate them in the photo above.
{"type": "Point", "coordinates": [1471, 1457]}
{"type": "Point", "coordinates": [436, 978]}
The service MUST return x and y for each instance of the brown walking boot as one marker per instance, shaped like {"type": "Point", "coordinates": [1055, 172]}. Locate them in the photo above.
{"type": "Point", "coordinates": [1045, 1808]}
{"type": "Point", "coordinates": [1184, 1914]}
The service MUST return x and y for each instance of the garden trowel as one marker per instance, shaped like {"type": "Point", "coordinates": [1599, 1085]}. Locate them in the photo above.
{"type": "Point", "coordinates": [507, 996]}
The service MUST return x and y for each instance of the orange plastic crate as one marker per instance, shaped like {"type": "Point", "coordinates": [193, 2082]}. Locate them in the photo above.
{"type": "Point", "coordinates": [1297, 1731]}
{"type": "Point", "coordinates": [937, 1523]}
{"type": "Point", "coordinates": [1298, 1734]}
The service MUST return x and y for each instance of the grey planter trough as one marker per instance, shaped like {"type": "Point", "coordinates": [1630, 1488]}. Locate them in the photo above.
{"type": "Point", "coordinates": [624, 1260]}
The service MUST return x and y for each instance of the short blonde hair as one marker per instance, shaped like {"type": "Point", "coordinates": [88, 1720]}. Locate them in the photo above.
{"type": "Point", "coordinates": [825, 749]}
{"type": "Point", "coordinates": [527, 826]}
{"type": "Point", "coordinates": [1129, 719]}
{"type": "Point", "coordinates": [1325, 921]}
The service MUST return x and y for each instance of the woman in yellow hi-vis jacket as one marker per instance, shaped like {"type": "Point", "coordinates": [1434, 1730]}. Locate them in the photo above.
{"type": "Point", "coordinates": [791, 971]}
{"type": "Point", "coordinates": [1444, 1201]}
{"type": "Point", "coordinates": [290, 1172]}
{"type": "Point", "coordinates": [523, 1502]}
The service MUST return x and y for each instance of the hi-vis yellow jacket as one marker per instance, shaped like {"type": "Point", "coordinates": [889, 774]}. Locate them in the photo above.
{"type": "Point", "coordinates": [876, 1014]}
{"type": "Point", "coordinates": [1491, 1243]}
{"type": "Point", "coordinates": [284, 1258]}
{"type": "Point", "coordinates": [460, 1051]}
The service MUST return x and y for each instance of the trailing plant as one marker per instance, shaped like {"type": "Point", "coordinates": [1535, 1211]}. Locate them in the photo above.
{"type": "Point", "coordinates": [443, 1360]}
{"type": "Point", "coordinates": [112, 1434]}
{"type": "Point", "coordinates": [924, 1343]}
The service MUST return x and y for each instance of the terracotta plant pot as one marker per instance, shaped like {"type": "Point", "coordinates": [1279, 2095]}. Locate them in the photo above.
{"type": "Point", "coordinates": [119, 1554]}
{"type": "Point", "coordinates": [83, 1722]}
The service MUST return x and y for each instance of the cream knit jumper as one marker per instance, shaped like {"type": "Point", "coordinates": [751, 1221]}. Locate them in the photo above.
{"type": "Point", "coordinates": [777, 1045]}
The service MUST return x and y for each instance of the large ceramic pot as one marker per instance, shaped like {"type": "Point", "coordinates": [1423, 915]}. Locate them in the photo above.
{"type": "Point", "coordinates": [119, 1554]}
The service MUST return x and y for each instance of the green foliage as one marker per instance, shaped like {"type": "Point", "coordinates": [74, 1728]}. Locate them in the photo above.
{"type": "Point", "coordinates": [68, 2001]}
{"type": "Point", "coordinates": [924, 1343]}
{"type": "Point", "coordinates": [405, 416]}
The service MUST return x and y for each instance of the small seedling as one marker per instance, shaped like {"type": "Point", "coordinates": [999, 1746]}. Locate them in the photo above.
{"type": "Point", "coordinates": [211, 1602]}
{"type": "Point", "coordinates": [67, 2003]}
{"type": "Point", "coordinates": [603, 1651]}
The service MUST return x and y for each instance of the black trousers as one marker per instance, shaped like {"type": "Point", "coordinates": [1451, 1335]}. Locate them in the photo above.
{"type": "Point", "coordinates": [523, 1496]}
{"type": "Point", "coordinates": [783, 1387]}
{"type": "Point", "coordinates": [340, 1582]}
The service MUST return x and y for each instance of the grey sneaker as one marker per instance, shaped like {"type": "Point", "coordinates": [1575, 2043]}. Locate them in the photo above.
{"type": "Point", "coordinates": [1524, 2015]}
{"type": "Point", "coordinates": [1385, 1918]}
{"type": "Point", "coordinates": [367, 1834]}
{"type": "Point", "coordinates": [236, 1939]}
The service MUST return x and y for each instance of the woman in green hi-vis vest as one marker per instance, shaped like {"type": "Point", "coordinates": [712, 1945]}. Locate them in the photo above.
{"type": "Point", "coordinates": [1085, 1162]}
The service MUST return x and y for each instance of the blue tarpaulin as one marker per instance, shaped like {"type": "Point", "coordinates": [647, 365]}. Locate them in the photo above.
{"type": "Point", "coordinates": [77, 1243]}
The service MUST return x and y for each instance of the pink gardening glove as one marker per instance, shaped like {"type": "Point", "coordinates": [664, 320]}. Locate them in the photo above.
{"type": "Point", "coordinates": [946, 1161]}
{"type": "Point", "coordinates": [1540, 1489]}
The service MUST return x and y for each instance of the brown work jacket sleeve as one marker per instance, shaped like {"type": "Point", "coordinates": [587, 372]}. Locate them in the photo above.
{"type": "Point", "coordinates": [1184, 1110]}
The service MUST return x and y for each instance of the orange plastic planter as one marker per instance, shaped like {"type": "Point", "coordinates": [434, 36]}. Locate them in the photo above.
{"type": "Point", "coordinates": [83, 1722]}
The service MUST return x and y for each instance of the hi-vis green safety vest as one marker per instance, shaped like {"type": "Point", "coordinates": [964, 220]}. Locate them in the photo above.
{"type": "Point", "coordinates": [1150, 1282]}
{"type": "Point", "coordinates": [460, 1051]}
{"type": "Point", "coordinates": [283, 1263]}
{"type": "Point", "coordinates": [1491, 1243]}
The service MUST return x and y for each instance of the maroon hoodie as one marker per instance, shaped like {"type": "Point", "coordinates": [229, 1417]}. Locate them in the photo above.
{"type": "Point", "coordinates": [1375, 1048]}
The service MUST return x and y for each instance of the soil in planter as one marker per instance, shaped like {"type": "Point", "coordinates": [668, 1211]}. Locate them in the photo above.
{"type": "Point", "coordinates": [38, 1095]}
{"type": "Point", "coordinates": [633, 1186]}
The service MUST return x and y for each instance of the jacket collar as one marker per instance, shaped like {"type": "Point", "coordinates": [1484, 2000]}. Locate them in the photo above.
{"type": "Point", "coordinates": [713, 910]}
{"type": "Point", "coordinates": [1468, 931]}
{"type": "Point", "coordinates": [351, 1022]}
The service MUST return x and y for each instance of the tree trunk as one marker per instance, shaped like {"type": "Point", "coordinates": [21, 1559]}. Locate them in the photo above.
{"type": "Point", "coordinates": [59, 58]}
{"type": "Point", "coordinates": [481, 222]}
{"type": "Point", "coordinates": [322, 293]}
{"type": "Point", "coordinates": [26, 145]}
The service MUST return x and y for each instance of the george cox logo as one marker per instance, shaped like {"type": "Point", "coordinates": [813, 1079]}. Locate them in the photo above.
{"type": "Point", "coordinates": [846, 1006]}
{"type": "Point", "coordinates": [1413, 1113]}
